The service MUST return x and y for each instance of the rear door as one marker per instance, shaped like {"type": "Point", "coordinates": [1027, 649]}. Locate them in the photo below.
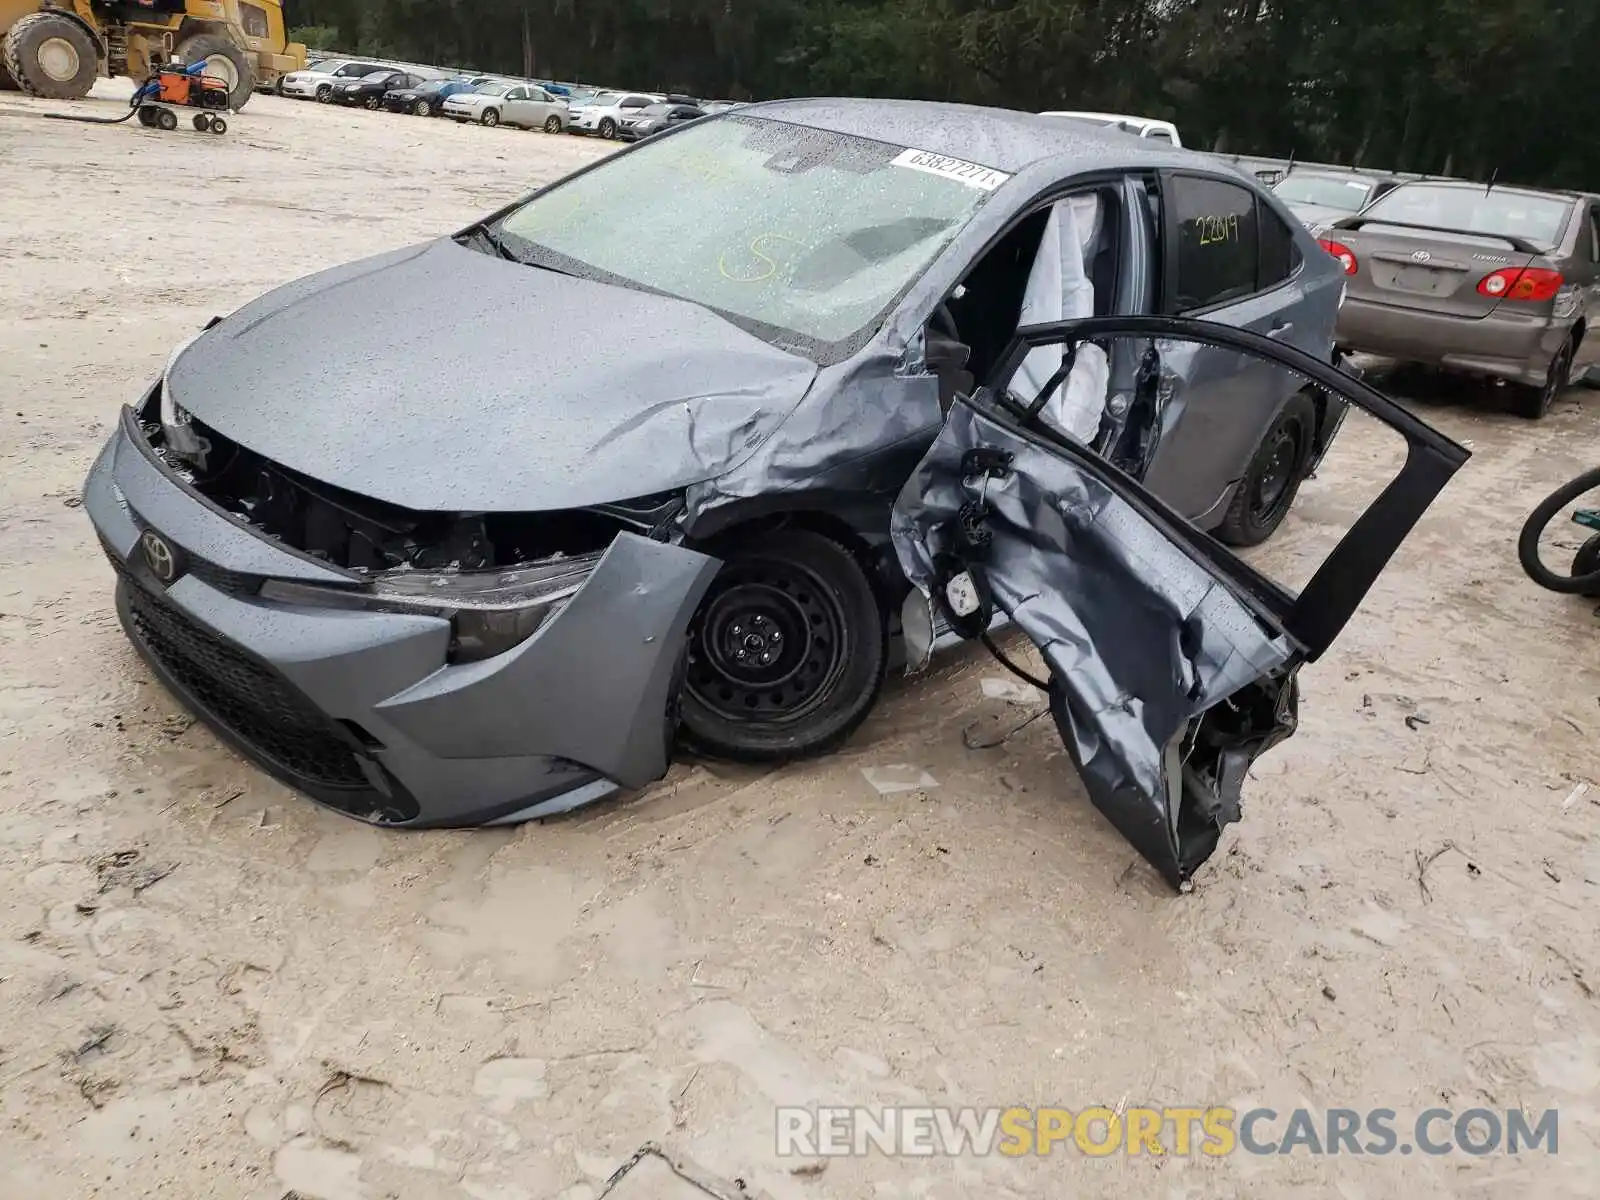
{"type": "Point", "coordinates": [1585, 282]}
{"type": "Point", "coordinates": [1172, 665]}
{"type": "Point", "coordinates": [1227, 257]}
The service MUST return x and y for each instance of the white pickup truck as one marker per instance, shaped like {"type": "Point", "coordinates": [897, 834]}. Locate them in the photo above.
{"type": "Point", "coordinates": [1143, 127]}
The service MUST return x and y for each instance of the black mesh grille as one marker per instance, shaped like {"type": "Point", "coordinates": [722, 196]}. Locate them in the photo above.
{"type": "Point", "coordinates": [249, 697]}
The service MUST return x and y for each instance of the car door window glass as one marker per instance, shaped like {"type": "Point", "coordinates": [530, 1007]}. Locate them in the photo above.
{"type": "Point", "coordinates": [1216, 242]}
{"type": "Point", "coordinates": [516, 94]}
{"type": "Point", "coordinates": [1279, 257]}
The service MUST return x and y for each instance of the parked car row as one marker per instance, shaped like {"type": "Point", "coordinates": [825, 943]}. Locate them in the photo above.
{"type": "Point", "coordinates": [490, 100]}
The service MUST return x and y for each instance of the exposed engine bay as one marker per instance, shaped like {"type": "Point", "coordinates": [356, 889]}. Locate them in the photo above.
{"type": "Point", "coordinates": [365, 535]}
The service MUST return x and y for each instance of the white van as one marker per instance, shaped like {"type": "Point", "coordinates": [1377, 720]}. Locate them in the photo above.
{"type": "Point", "coordinates": [1164, 132]}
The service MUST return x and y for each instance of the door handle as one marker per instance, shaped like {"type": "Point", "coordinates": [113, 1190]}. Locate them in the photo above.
{"type": "Point", "coordinates": [1281, 330]}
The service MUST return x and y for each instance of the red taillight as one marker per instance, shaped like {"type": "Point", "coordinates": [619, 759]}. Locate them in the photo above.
{"type": "Point", "coordinates": [1521, 283]}
{"type": "Point", "coordinates": [1343, 253]}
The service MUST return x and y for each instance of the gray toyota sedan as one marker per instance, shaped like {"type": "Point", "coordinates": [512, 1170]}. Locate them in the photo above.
{"type": "Point", "coordinates": [496, 567]}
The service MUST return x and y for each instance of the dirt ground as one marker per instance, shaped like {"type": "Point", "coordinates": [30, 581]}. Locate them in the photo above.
{"type": "Point", "coordinates": [210, 988]}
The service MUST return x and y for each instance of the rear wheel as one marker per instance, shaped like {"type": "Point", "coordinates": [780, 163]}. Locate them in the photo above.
{"type": "Point", "coordinates": [1273, 478]}
{"type": "Point", "coordinates": [223, 60]}
{"type": "Point", "coordinates": [166, 119]}
{"type": "Point", "coordinates": [490, 117]}
{"type": "Point", "coordinates": [1532, 403]}
{"type": "Point", "coordinates": [787, 652]}
{"type": "Point", "coordinates": [51, 56]}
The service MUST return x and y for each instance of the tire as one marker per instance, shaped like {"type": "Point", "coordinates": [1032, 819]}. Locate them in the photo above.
{"type": "Point", "coordinates": [552, 125]}
{"type": "Point", "coordinates": [147, 116]}
{"type": "Point", "coordinates": [324, 93]}
{"type": "Point", "coordinates": [7, 83]}
{"type": "Point", "coordinates": [51, 56]}
{"type": "Point", "coordinates": [166, 119]}
{"type": "Point", "coordinates": [1273, 477]}
{"type": "Point", "coordinates": [1576, 584]}
{"type": "Point", "coordinates": [218, 126]}
{"type": "Point", "coordinates": [803, 599]}
{"type": "Point", "coordinates": [422, 108]}
{"type": "Point", "coordinates": [1533, 403]}
{"type": "Point", "coordinates": [224, 60]}
{"type": "Point", "coordinates": [607, 129]}
{"type": "Point", "coordinates": [202, 122]}
{"type": "Point", "coordinates": [490, 117]}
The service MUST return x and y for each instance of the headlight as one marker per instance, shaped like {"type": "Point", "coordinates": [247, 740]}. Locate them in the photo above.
{"type": "Point", "coordinates": [490, 612]}
{"type": "Point", "coordinates": [175, 420]}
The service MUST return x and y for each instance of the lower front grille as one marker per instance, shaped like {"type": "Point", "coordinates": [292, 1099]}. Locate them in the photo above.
{"type": "Point", "coordinates": [249, 698]}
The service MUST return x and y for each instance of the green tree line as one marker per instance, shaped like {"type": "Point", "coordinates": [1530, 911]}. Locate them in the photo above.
{"type": "Point", "coordinates": [1462, 87]}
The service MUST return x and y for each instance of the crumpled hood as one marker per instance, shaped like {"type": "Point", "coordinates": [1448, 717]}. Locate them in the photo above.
{"type": "Point", "coordinates": [529, 391]}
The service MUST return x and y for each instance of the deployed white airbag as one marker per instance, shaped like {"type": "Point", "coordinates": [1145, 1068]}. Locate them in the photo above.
{"type": "Point", "coordinates": [1059, 289]}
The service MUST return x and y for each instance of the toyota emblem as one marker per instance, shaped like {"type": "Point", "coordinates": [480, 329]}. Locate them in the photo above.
{"type": "Point", "coordinates": [1420, 256]}
{"type": "Point", "coordinates": [159, 556]}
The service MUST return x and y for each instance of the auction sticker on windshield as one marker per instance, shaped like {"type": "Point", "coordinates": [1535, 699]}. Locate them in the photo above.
{"type": "Point", "coordinates": [985, 179]}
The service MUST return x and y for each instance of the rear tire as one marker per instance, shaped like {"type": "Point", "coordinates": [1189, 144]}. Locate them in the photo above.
{"type": "Point", "coordinates": [1273, 478]}
{"type": "Point", "coordinates": [1532, 403]}
{"type": "Point", "coordinates": [804, 603]}
{"type": "Point", "coordinates": [51, 56]}
{"type": "Point", "coordinates": [223, 60]}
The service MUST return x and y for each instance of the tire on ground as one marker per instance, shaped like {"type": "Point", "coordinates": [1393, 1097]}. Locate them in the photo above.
{"type": "Point", "coordinates": [1242, 525]}
{"type": "Point", "coordinates": [851, 683]}
{"type": "Point", "coordinates": [207, 46]}
{"type": "Point", "coordinates": [20, 58]}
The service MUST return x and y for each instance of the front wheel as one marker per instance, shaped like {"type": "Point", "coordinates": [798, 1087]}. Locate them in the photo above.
{"type": "Point", "coordinates": [373, 104]}
{"type": "Point", "coordinates": [608, 128]}
{"type": "Point", "coordinates": [552, 125]}
{"type": "Point", "coordinates": [324, 93]}
{"type": "Point", "coordinates": [422, 108]}
{"type": "Point", "coordinates": [1270, 483]}
{"type": "Point", "coordinates": [787, 652]}
{"type": "Point", "coordinates": [490, 117]}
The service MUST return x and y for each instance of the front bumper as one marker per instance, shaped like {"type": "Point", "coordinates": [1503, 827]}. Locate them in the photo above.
{"type": "Point", "coordinates": [360, 710]}
{"type": "Point", "coordinates": [301, 89]}
{"type": "Point", "coordinates": [1504, 345]}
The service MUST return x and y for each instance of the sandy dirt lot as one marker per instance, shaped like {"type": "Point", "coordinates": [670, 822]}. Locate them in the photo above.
{"type": "Point", "coordinates": [210, 988]}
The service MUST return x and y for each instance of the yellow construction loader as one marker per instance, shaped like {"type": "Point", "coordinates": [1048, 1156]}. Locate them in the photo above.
{"type": "Point", "coordinates": [57, 48]}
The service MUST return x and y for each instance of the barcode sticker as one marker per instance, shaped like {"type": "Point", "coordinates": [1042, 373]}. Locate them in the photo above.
{"type": "Point", "coordinates": [985, 179]}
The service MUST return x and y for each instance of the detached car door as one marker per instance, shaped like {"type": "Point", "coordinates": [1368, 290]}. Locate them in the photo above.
{"type": "Point", "coordinates": [1171, 663]}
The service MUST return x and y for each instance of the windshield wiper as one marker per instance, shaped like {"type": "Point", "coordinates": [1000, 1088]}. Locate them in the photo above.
{"type": "Point", "coordinates": [488, 236]}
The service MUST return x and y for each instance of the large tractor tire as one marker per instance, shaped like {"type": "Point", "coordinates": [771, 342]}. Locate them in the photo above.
{"type": "Point", "coordinates": [51, 56]}
{"type": "Point", "coordinates": [223, 60]}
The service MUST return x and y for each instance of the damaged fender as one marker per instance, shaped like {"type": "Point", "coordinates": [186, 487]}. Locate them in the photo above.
{"type": "Point", "coordinates": [597, 684]}
{"type": "Point", "coordinates": [1172, 663]}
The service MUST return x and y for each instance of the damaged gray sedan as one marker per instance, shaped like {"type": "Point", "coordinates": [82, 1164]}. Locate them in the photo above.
{"type": "Point", "coordinates": [497, 568]}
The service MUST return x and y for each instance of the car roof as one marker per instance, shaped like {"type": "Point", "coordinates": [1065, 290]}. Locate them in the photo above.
{"type": "Point", "coordinates": [1004, 139]}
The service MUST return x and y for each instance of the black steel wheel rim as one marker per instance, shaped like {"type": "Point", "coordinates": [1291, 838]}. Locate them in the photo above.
{"type": "Point", "coordinates": [768, 643]}
{"type": "Point", "coordinates": [1560, 369]}
{"type": "Point", "coordinates": [1273, 482]}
